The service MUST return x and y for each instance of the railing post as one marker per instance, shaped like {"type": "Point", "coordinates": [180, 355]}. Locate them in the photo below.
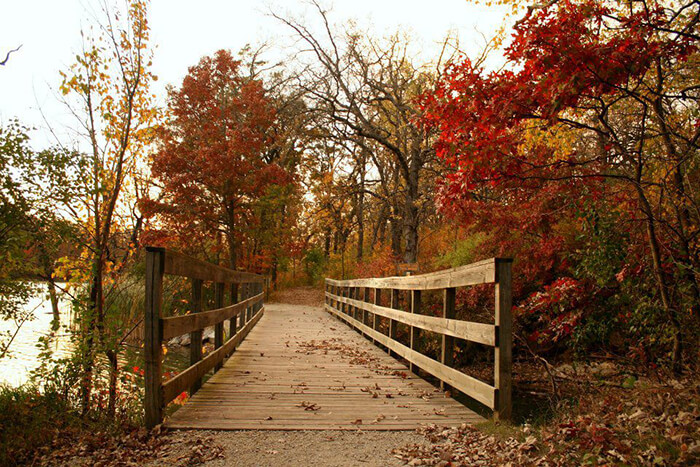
{"type": "Point", "coordinates": [153, 334]}
{"type": "Point", "coordinates": [415, 332]}
{"type": "Point", "coordinates": [219, 327]}
{"type": "Point", "coordinates": [448, 342]}
{"type": "Point", "coordinates": [196, 336]}
{"type": "Point", "coordinates": [378, 302]}
{"type": "Point", "coordinates": [365, 313]}
{"type": "Point", "coordinates": [233, 322]}
{"type": "Point", "coordinates": [395, 295]}
{"type": "Point", "coordinates": [503, 359]}
{"type": "Point", "coordinates": [244, 296]}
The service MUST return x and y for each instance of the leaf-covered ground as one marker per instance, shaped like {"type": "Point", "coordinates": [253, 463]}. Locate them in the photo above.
{"type": "Point", "coordinates": [613, 420]}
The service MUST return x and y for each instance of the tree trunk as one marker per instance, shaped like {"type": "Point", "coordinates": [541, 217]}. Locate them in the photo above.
{"type": "Point", "coordinates": [113, 376]}
{"type": "Point", "coordinates": [410, 217]}
{"type": "Point", "coordinates": [661, 280]}
{"type": "Point", "coordinates": [56, 316]}
{"type": "Point", "coordinates": [327, 245]}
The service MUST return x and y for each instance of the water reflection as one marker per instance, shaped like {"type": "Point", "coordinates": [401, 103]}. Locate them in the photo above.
{"type": "Point", "coordinates": [23, 356]}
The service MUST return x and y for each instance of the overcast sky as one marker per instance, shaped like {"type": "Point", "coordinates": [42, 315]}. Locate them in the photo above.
{"type": "Point", "coordinates": [186, 30]}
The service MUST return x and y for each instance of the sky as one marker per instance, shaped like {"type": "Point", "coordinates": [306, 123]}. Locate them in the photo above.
{"type": "Point", "coordinates": [185, 30]}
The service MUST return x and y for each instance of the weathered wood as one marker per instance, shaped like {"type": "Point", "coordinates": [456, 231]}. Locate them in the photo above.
{"type": "Point", "coordinates": [414, 330]}
{"type": "Point", "coordinates": [233, 320]}
{"type": "Point", "coordinates": [393, 304]}
{"type": "Point", "coordinates": [503, 358]}
{"type": "Point", "coordinates": [176, 385]}
{"type": "Point", "coordinates": [483, 272]}
{"type": "Point", "coordinates": [219, 327]}
{"type": "Point", "coordinates": [153, 350]}
{"type": "Point", "coordinates": [195, 334]}
{"type": "Point", "coordinates": [476, 389]}
{"type": "Point", "coordinates": [174, 326]}
{"type": "Point", "coordinates": [467, 330]}
{"type": "Point", "coordinates": [448, 342]}
{"type": "Point", "coordinates": [377, 303]}
{"type": "Point", "coordinates": [276, 369]}
{"type": "Point", "coordinates": [365, 313]}
{"type": "Point", "coordinates": [178, 264]}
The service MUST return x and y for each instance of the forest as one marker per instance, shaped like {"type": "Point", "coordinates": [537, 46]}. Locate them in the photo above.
{"type": "Point", "coordinates": [570, 142]}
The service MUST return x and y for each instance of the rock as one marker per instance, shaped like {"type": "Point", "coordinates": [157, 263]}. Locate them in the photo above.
{"type": "Point", "coordinates": [184, 340]}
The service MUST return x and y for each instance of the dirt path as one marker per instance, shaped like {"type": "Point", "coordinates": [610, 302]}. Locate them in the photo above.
{"type": "Point", "coordinates": [284, 448]}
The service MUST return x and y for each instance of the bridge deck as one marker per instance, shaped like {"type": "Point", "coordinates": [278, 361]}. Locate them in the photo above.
{"type": "Point", "coordinates": [302, 369]}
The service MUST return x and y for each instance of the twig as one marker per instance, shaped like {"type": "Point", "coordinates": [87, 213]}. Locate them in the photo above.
{"type": "Point", "coordinates": [7, 57]}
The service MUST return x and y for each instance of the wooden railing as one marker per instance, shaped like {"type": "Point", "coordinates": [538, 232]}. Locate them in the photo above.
{"type": "Point", "coordinates": [343, 300]}
{"type": "Point", "coordinates": [242, 316]}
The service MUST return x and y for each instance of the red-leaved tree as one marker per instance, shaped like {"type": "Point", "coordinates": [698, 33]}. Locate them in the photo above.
{"type": "Point", "coordinates": [211, 163]}
{"type": "Point", "coordinates": [598, 106]}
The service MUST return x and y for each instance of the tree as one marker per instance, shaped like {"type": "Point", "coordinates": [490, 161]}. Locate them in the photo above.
{"type": "Point", "coordinates": [366, 90]}
{"type": "Point", "coordinates": [617, 85]}
{"type": "Point", "coordinates": [107, 90]}
{"type": "Point", "coordinates": [212, 163]}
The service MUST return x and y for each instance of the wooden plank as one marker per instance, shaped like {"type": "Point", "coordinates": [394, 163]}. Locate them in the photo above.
{"type": "Point", "coordinates": [414, 330]}
{"type": "Point", "coordinates": [503, 358]}
{"type": "Point", "coordinates": [153, 349]}
{"type": "Point", "coordinates": [219, 327]}
{"type": "Point", "coordinates": [471, 386]}
{"type": "Point", "coordinates": [195, 334]}
{"type": "Point", "coordinates": [377, 303]}
{"type": "Point", "coordinates": [233, 320]}
{"type": "Point", "coordinates": [304, 355]}
{"type": "Point", "coordinates": [393, 304]}
{"type": "Point", "coordinates": [233, 323]}
{"type": "Point", "coordinates": [467, 330]}
{"type": "Point", "coordinates": [174, 326]}
{"type": "Point", "coordinates": [365, 299]}
{"type": "Point", "coordinates": [448, 343]}
{"type": "Point", "coordinates": [179, 383]}
{"type": "Point", "coordinates": [483, 272]}
{"type": "Point", "coordinates": [179, 264]}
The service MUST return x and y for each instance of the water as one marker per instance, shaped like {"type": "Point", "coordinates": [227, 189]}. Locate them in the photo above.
{"type": "Point", "coordinates": [23, 355]}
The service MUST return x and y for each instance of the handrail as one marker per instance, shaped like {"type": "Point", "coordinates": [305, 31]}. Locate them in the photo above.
{"type": "Point", "coordinates": [242, 315]}
{"type": "Point", "coordinates": [343, 300]}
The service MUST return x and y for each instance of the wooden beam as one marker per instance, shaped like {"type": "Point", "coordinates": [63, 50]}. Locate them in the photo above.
{"type": "Point", "coordinates": [153, 348]}
{"type": "Point", "coordinates": [174, 326]}
{"type": "Point", "coordinates": [467, 330]}
{"type": "Point", "coordinates": [179, 264]}
{"type": "Point", "coordinates": [196, 334]}
{"type": "Point", "coordinates": [377, 303]}
{"type": "Point", "coordinates": [448, 342]}
{"type": "Point", "coordinates": [176, 385]}
{"type": "Point", "coordinates": [483, 272]}
{"type": "Point", "coordinates": [503, 357]}
{"type": "Point", "coordinates": [365, 313]}
{"type": "Point", "coordinates": [392, 323]}
{"type": "Point", "coordinates": [415, 331]}
{"type": "Point", "coordinates": [233, 320]}
{"type": "Point", "coordinates": [219, 327]}
{"type": "Point", "coordinates": [472, 387]}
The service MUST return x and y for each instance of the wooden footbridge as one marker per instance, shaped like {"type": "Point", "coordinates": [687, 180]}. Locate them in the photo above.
{"type": "Point", "coordinates": [290, 367]}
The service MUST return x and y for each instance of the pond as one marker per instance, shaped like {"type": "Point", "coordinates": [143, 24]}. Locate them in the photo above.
{"type": "Point", "coordinates": [23, 355]}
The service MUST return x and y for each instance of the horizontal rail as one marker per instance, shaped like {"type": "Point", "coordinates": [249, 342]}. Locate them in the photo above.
{"type": "Point", "coordinates": [178, 264]}
{"type": "Point", "coordinates": [178, 325]}
{"type": "Point", "coordinates": [474, 332]}
{"type": "Point", "coordinates": [482, 392]}
{"type": "Point", "coordinates": [483, 272]}
{"type": "Point", "coordinates": [180, 383]}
